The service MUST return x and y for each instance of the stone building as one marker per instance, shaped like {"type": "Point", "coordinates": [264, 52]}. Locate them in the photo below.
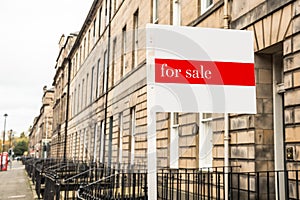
{"type": "Point", "coordinates": [107, 110]}
{"type": "Point", "coordinates": [41, 132]}
{"type": "Point", "coordinates": [60, 102]}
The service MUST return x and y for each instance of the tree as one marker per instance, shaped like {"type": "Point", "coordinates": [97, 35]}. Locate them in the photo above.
{"type": "Point", "coordinates": [20, 147]}
{"type": "Point", "coordinates": [22, 135]}
{"type": "Point", "coordinates": [6, 146]}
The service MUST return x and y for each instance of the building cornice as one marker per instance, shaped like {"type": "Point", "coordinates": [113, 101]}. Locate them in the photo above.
{"type": "Point", "coordinates": [92, 12]}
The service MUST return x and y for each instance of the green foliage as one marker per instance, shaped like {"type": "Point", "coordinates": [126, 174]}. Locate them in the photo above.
{"type": "Point", "coordinates": [22, 135]}
{"type": "Point", "coordinates": [20, 147]}
{"type": "Point", "coordinates": [19, 144]}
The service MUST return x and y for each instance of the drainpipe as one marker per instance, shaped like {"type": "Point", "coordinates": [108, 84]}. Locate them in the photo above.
{"type": "Point", "coordinates": [226, 119]}
{"type": "Point", "coordinates": [226, 153]}
{"type": "Point", "coordinates": [107, 75]}
{"type": "Point", "coordinates": [286, 181]}
{"type": "Point", "coordinates": [46, 141]}
{"type": "Point", "coordinates": [226, 15]}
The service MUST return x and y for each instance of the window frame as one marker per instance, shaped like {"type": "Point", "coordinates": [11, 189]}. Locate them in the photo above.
{"type": "Point", "coordinates": [205, 5]}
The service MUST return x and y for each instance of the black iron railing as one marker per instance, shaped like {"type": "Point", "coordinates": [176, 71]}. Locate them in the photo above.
{"type": "Point", "coordinates": [40, 168]}
{"type": "Point", "coordinates": [57, 179]}
{"type": "Point", "coordinates": [64, 179]}
{"type": "Point", "coordinates": [117, 184]}
{"type": "Point", "coordinates": [29, 165]}
{"type": "Point", "coordinates": [264, 184]}
{"type": "Point", "coordinates": [191, 183]}
{"type": "Point", "coordinates": [198, 184]}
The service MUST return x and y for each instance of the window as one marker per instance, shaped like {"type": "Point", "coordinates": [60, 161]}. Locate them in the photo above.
{"type": "Point", "coordinates": [58, 145]}
{"type": "Point", "coordinates": [80, 56]}
{"type": "Point", "coordinates": [77, 63]}
{"type": "Point", "coordinates": [132, 134]}
{"type": "Point", "coordinates": [120, 146]}
{"type": "Point", "coordinates": [110, 138]}
{"type": "Point", "coordinates": [176, 13]}
{"type": "Point", "coordinates": [155, 11]}
{"type": "Point", "coordinates": [102, 142]}
{"type": "Point", "coordinates": [205, 140]}
{"type": "Point", "coordinates": [123, 55]}
{"type": "Point", "coordinates": [86, 89]}
{"type": "Point", "coordinates": [174, 140]}
{"type": "Point", "coordinates": [84, 48]}
{"type": "Point", "coordinates": [98, 138]}
{"type": "Point", "coordinates": [94, 29]}
{"type": "Point", "coordinates": [205, 5]}
{"type": "Point", "coordinates": [107, 11]}
{"type": "Point", "coordinates": [74, 145]}
{"type": "Point", "coordinates": [105, 64]}
{"type": "Point", "coordinates": [135, 39]}
{"type": "Point", "coordinates": [113, 62]}
{"type": "Point", "coordinates": [83, 104]}
{"type": "Point", "coordinates": [78, 99]}
{"type": "Point", "coordinates": [74, 102]}
{"type": "Point", "coordinates": [85, 145]}
{"type": "Point", "coordinates": [97, 78]}
{"type": "Point", "coordinates": [71, 107]}
{"type": "Point", "coordinates": [99, 22]}
{"type": "Point", "coordinates": [73, 67]}
{"type": "Point", "coordinates": [95, 142]}
{"type": "Point", "coordinates": [114, 5]}
{"type": "Point", "coordinates": [88, 42]}
{"type": "Point", "coordinates": [80, 145]}
{"type": "Point", "coordinates": [70, 145]}
{"type": "Point", "coordinates": [92, 84]}
{"type": "Point", "coordinates": [79, 140]}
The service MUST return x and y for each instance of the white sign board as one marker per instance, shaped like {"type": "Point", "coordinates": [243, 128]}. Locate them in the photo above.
{"type": "Point", "coordinates": [196, 70]}
{"type": "Point", "coordinates": [201, 69]}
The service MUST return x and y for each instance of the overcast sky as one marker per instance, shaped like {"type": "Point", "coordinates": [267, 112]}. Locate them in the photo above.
{"type": "Point", "coordinates": [29, 35]}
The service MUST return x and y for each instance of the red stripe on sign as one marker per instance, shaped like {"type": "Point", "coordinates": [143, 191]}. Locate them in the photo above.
{"type": "Point", "coordinates": [204, 72]}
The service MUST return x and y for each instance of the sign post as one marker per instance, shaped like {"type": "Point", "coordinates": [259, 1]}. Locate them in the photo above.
{"type": "Point", "coordinates": [196, 70]}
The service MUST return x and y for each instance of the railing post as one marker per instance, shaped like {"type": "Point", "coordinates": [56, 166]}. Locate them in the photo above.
{"type": "Point", "coordinates": [230, 185]}
{"type": "Point", "coordinates": [201, 183]}
{"type": "Point", "coordinates": [188, 186]}
{"type": "Point", "coordinates": [177, 183]}
{"type": "Point", "coordinates": [238, 177]}
{"type": "Point", "coordinates": [138, 175]}
{"type": "Point", "coordinates": [134, 184]}
{"type": "Point", "coordinates": [146, 187]}
{"type": "Point", "coordinates": [297, 185]}
{"type": "Point", "coordinates": [57, 189]}
{"type": "Point", "coordinates": [208, 184]}
{"type": "Point", "coordinates": [248, 183]}
{"type": "Point", "coordinates": [268, 185]}
{"type": "Point", "coordinates": [167, 182]}
{"type": "Point", "coordinates": [218, 185]}
{"type": "Point", "coordinates": [172, 186]}
{"type": "Point", "coordinates": [257, 185]}
{"type": "Point", "coordinates": [123, 185]}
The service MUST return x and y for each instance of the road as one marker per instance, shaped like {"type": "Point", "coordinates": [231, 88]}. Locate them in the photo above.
{"type": "Point", "coordinates": [14, 183]}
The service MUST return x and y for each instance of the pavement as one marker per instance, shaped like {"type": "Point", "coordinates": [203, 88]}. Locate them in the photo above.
{"type": "Point", "coordinates": [15, 184]}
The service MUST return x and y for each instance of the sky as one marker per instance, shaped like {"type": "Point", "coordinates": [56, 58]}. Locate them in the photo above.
{"type": "Point", "coordinates": [29, 34]}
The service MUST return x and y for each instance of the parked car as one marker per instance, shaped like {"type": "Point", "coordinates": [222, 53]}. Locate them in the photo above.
{"type": "Point", "coordinates": [18, 158]}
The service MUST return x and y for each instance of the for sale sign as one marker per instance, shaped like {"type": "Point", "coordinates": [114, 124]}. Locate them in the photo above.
{"type": "Point", "coordinates": [200, 69]}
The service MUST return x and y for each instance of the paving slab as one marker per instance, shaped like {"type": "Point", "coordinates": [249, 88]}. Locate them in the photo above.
{"type": "Point", "coordinates": [14, 183]}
